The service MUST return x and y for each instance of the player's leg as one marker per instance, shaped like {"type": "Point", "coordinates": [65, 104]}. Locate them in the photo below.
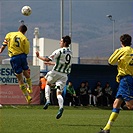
{"type": "Point", "coordinates": [28, 80]}
{"type": "Point", "coordinates": [51, 77]}
{"type": "Point", "coordinates": [129, 99]}
{"type": "Point", "coordinates": [16, 66]}
{"type": "Point", "coordinates": [23, 87]}
{"type": "Point", "coordinates": [60, 84]}
{"type": "Point", "coordinates": [26, 72]}
{"type": "Point", "coordinates": [125, 91]}
{"type": "Point", "coordinates": [60, 102]}
{"type": "Point", "coordinates": [47, 96]}
{"type": "Point", "coordinates": [116, 108]}
{"type": "Point", "coordinates": [129, 104]}
{"type": "Point", "coordinates": [129, 92]}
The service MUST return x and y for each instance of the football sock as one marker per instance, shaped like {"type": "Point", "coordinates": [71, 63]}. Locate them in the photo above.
{"type": "Point", "coordinates": [47, 93]}
{"type": "Point", "coordinates": [24, 89]}
{"type": "Point", "coordinates": [28, 80]}
{"type": "Point", "coordinates": [112, 118]}
{"type": "Point", "coordinates": [60, 101]}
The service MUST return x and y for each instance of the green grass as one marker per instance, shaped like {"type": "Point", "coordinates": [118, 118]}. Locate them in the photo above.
{"type": "Point", "coordinates": [33, 119]}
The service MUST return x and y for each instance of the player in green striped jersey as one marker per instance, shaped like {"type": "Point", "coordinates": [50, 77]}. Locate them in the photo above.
{"type": "Point", "coordinates": [58, 75]}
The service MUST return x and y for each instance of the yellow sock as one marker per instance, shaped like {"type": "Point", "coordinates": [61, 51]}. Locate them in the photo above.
{"type": "Point", "coordinates": [28, 80]}
{"type": "Point", "coordinates": [112, 118]}
{"type": "Point", "coordinates": [24, 89]}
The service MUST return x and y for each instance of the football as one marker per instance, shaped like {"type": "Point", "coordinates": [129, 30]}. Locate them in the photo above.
{"type": "Point", "coordinates": [26, 10]}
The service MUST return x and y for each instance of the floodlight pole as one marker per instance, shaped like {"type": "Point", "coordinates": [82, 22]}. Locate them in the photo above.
{"type": "Point", "coordinates": [62, 18]}
{"type": "Point", "coordinates": [113, 20]}
{"type": "Point", "coordinates": [70, 21]}
{"type": "Point", "coordinates": [70, 18]}
{"type": "Point", "coordinates": [36, 33]}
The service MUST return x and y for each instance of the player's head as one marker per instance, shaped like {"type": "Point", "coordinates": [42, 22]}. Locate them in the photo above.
{"type": "Point", "coordinates": [126, 39]}
{"type": "Point", "coordinates": [66, 40]}
{"type": "Point", "coordinates": [23, 29]}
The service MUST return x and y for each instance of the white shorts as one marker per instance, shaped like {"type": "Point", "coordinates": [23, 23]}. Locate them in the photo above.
{"type": "Point", "coordinates": [56, 78]}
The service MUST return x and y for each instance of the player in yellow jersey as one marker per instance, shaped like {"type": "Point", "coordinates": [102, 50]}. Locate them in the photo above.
{"type": "Point", "coordinates": [124, 59]}
{"type": "Point", "coordinates": [18, 48]}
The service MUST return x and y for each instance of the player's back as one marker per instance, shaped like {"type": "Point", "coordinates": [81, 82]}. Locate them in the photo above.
{"type": "Point", "coordinates": [63, 61]}
{"type": "Point", "coordinates": [125, 62]}
{"type": "Point", "coordinates": [17, 43]}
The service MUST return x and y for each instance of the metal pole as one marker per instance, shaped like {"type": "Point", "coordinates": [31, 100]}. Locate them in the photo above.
{"type": "Point", "coordinates": [113, 35]}
{"type": "Point", "coordinates": [70, 18]}
{"type": "Point", "coordinates": [36, 33]}
{"type": "Point", "coordinates": [62, 17]}
{"type": "Point", "coordinates": [113, 20]}
{"type": "Point", "coordinates": [70, 21]}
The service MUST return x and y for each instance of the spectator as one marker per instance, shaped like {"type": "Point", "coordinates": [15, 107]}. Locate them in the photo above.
{"type": "Point", "coordinates": [90, 95]}
{"type": "Point", "coordinates": [77, 96]}
{"type": "Point", "coordinates": [107, 92]}
{"type": "Point", "coordinates": [87, 88]}
{"type": "Point", "coordinates": [83, 94]}
{"type": "Point", "coordinates": [70, 94]}
{"type": "Point", "coordinates": [98, 93]}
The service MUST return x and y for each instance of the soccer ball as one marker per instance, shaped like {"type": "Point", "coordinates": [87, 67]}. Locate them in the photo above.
{"type": "Point", "coordinates": [26, 10]}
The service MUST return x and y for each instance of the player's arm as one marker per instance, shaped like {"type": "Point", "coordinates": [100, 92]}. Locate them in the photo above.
{"type": "Point", "coordinates": [115, 57]}
{"type": "Point", "coordinates": [5, 43]}
{"type": "Point", "coordinates": [42, 58]}
{"type": "Point", "coordinates": [2, 48]}
{"type": "Point", "coordinates": [49, 63]}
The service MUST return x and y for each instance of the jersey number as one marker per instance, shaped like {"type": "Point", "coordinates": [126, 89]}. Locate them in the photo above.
{"type": "Point", "coordinates": [68, 59]}
{"type": "Point", "coordinates": [17, 41]}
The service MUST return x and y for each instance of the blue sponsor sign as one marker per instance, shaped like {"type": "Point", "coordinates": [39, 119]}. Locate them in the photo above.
{"type": "Point", "coordinates": [7, 75]}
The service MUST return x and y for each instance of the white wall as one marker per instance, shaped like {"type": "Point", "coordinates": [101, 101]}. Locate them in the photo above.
{"type": "Point", "coordinates": [47, 46]}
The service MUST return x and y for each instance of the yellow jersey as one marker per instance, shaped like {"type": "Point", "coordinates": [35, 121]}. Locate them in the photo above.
{"type": "Point", "coordinates": [17, 43]}
{"type": "Point", "coordinates": [123, 57]}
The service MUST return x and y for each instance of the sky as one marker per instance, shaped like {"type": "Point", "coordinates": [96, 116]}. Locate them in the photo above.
{"type": "Point", "coordinates": [90, 26]}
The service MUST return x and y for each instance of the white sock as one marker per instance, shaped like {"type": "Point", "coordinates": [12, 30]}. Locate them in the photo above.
{"type": "Point", "coordinates": [90, 99]}
{"type": "Point", "coordinates": [60, 101]}
{"type": "Point", "coordinates": [47, 93]}
{"type": "Point", "coordinates": [94, 100]}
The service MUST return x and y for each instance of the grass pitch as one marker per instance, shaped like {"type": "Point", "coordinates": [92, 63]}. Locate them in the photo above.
{"type": "Point", "coordinates": [33, 119]}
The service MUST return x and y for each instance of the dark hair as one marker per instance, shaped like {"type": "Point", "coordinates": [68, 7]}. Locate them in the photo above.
{"type": "Point", "coordinates": [67, 40]}
{"type": "Point", "coordinates": [126, 39]}
{"type": "Point", "coordinates": [22, 28]}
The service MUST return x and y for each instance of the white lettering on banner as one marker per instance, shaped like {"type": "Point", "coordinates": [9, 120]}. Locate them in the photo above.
{"type": "Point", "coordinates": [6, 80]}
{"type": "Point", "coordinates": [6, 92]}
{"type": "Point", "coordinates": [7, 74]}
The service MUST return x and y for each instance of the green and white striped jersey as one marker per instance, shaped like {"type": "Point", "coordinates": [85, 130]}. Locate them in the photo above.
{"type": "Point", "coordinates": [62, 57]}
